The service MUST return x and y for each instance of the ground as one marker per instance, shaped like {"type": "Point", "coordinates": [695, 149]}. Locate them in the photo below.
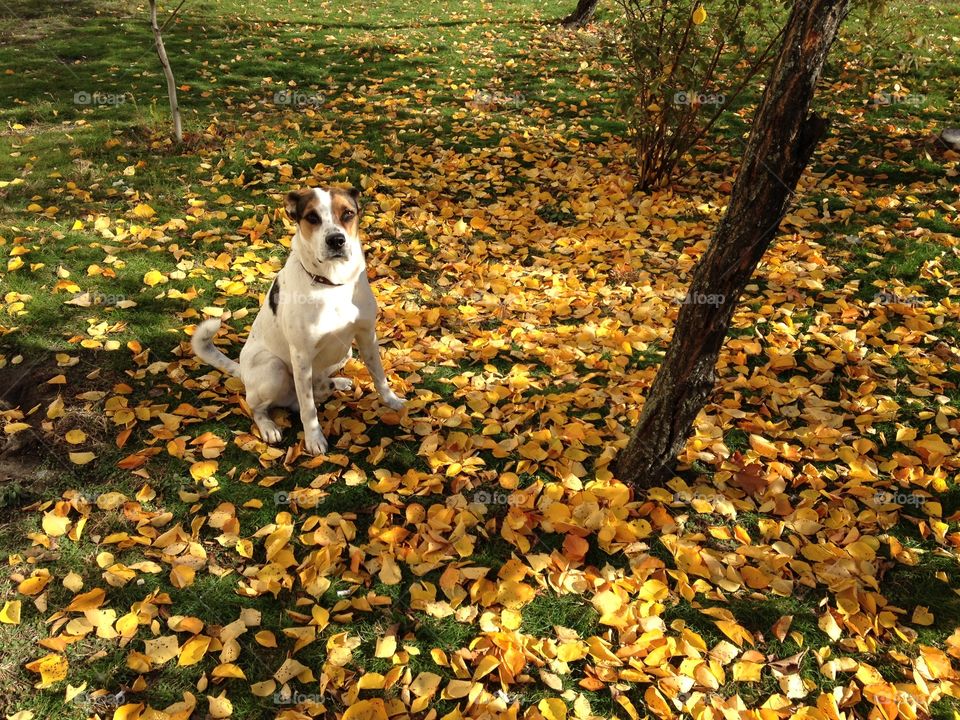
{"type": "Point", "coordinates": [472, 553]}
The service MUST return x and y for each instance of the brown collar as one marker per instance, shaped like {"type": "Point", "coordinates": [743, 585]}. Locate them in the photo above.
{"type": "Point", "coordinates": [319, 279]}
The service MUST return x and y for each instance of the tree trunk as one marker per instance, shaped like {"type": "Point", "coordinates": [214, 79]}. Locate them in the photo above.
{"type": "Point", "coordinates": [781, 143]}
{"type": "Point", "coordinates": [168, 72]}
{"type": "Point", "coordinates": [582, 15]}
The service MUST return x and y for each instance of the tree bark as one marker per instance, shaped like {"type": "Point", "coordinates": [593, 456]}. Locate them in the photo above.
{"type": "Point", "coordinates": [781, 142]}
{"type": "Point", "coordinates": [167, 71]}
{"type": "Point", "coordinates": [582, 15]}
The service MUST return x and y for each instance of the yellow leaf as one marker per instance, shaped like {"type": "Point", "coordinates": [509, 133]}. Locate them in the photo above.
{"type": "Point", "coordinates": [699, 15]}
{"type": "Point", "coordinates": [654, 700]}
{"type": "Point", "coordinates": [735, 632]}
{"type": "Point", "coordinates": [234, 287]}
{"type": "Point", "coordinates": [111, 500]}
{"type": "Point", "coordinates": [72, 691]}
{"type": "Point", "coordinates": [763, 447]}
{"type": "Point", "coordinates": [487, 665]}
{"type": "Point", "coordinates": [553, 708]}
{"type": "Point", "coordinates": [570, 651]}
{"type": "Point", "coordinates": [745, 671]}
{"type": "Point", "coordinates": [290, 669]}
{"type": "Point", "coordinates": [829, 625]}
{"type": "Point", "coordinates": [513, 594]}
{"type": "Point", "coordinates": [366, 710]}
{"type": "Point", "coordinates": [81, 458]}
{"type": "Point", "coordinates": [932, 449]}
{"type": "Point", "coordinates": [52, 668]}
{"type": "Point", "coordinates": [182, 576]}
{"type": "Point", "coordinates": [87, 601]}
{"type": "Point", "coordinates": [203, 469]}
{"type": "Point", "coordinates": [426, 683]}
{"type": "Point", "coordinates": [371, 681]}
{"type": "Point", "coordinates": [162, 649]}
{"type": "Point", "coordinates": [130, 711]}
{"type": "Point", "coordinates": [860, 550]}
{"type": "Point", "coordinates": [144, 211]}
{"type": "Point", "coordinates": [138, 662]}
{"type": "Point", "coordinates": [386, 646]}
{"type": "Point", "coordinates": [154, 277]}
{"type": "Point", "coordinates": [10, 614]}
{"type": "Point", "coordinates": [35, 584]}
{"type": "Point", "coordinates": [457, 689]}
{"type": "Point", "coordinates": [55, 525]}
{"type": "Point", "coordinates": [127, 625]}
{"type": "Point", "coordinates": [220, 706]}
{"type": "Point", "coordinates": [905, 434]}
{"type": "Point", "coordinates": [266, 638]}
{"type": "Point", "coordinates": [228, 670]}
{"type": "Point", "coordinates": [193, 650]}
{"type": "Point", "coordinates": [608, 603]}
{"type": "Point", "coordinates": [264, 689]}
{"type": "Point", "coordinates": [75, 436]}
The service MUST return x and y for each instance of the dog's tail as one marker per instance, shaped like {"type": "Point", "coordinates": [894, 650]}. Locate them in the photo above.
{"type": "Point", "coordinates": [203, 347]}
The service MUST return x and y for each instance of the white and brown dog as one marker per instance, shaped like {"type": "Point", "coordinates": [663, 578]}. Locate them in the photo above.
{"type": "Point", "coordinates": [319, 303]}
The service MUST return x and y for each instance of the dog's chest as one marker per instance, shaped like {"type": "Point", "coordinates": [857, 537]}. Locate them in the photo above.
{"type": "Point", "coordinates": [337, 315]}
{"type": "Point", "coordinates": [334, 324]}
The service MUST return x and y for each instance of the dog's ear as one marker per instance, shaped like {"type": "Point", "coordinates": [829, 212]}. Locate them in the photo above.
{"type": "Point", "coordinates": [296, 202]}
{"type": "Point", "coordinates": [354, 195]}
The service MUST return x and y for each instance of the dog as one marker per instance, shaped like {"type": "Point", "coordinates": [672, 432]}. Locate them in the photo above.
{"type": "Point", "coordinates": [318, 305]}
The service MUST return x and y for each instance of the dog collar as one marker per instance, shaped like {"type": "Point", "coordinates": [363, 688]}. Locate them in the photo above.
{"type": "Point", "coordinates": [319, 279]}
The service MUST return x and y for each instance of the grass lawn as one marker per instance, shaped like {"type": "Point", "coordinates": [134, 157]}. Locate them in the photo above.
{"type": "Point", "coordinates": [471, 555]}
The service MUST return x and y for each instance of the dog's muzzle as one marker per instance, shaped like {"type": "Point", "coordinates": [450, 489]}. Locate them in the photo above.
{"type": "Point", "coordinates": [336, 246]}
{"type": "Point", "coordinates": [336, 242]}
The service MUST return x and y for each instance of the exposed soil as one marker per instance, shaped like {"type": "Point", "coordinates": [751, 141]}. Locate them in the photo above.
{"type": "Point", "coordinates": [34, 461]}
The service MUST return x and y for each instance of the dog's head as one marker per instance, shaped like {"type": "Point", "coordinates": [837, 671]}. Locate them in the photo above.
{"type": "Point", "coordinates": [328, 232]}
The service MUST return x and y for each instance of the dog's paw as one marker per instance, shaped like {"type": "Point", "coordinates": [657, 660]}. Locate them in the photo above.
{"type": "Point", "coordinates": [324, 388]}
{"type": "Point", "coordinates": [394, 401]}
{"type": "Point", "coordinates": [315, 443]}
{"type": "Point", "coordinates": [342, 384]}
{"type": "Point", "coordinates": [269, 432]}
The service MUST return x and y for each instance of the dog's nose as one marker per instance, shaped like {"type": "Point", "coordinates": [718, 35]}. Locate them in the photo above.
{"type": "Point", "coordinates": [336, 241]}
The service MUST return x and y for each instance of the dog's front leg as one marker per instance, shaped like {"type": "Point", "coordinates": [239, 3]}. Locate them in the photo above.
{"type": "Point", "coordinates": [370, 354]}
{"type": "Point", "coordinates": [313, 439]}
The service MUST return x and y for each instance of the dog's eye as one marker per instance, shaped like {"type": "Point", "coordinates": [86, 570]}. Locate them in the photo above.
{"type": "Point", "coordinates": [312, 218]}
{"type": "Point", "coordinates": [348, 215]}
